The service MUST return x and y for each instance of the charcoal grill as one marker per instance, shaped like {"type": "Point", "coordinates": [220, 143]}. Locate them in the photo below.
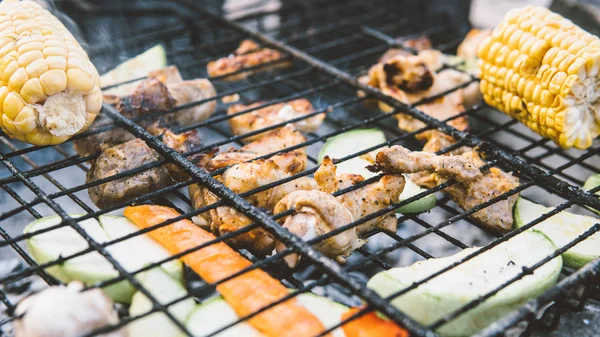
{"type": "Point", "coordinates": [330, 43]}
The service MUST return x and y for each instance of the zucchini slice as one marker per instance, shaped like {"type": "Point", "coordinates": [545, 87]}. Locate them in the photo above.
{"type": "Point", "coordinates": [466, 282]}
{"type": "Point", "coordinates": [561, 229]}
{"type": "Point", "coordinates": [138, 66]}
{"type": "Point", "coordinates": [90, 268]}
{"type": "Point", "coordinates": [164, 289]}
{"type": "Point", "coordinates": [216, 313]}
{"type": "Point", "coordinates": [353, 141]}
{"type": "Point", "coordinates": [590, 183]}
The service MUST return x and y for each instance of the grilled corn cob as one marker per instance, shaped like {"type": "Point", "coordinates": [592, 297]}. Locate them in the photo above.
{"type": "Point", "coordinates": [49, 89]}
{"type": "Point", "coordinates": [542, 69]}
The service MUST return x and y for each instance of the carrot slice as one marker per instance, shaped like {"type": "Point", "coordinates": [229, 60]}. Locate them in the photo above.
{"type": "Point", "coordinates": [370, 325]}
{"type": "Point", "coordinates": [246, 293]}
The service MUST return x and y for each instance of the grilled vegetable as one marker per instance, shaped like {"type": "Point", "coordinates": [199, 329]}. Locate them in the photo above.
{"type": "Point", "coordinates": [132, 254]}
{"type": "Point", "coordinates": [541, 69]}
{"type": "Point", "coordinates": [164, 289]}
{"type": "Point", "coordinates": [49, 89]}
{"type": "Point", "coordinates": [246, 293]}
{"type": "Point", "coordinates": [370, 325]}
{"type": "Point", "coordinates": [139, 66]}
{"type": "Point", "coordinates": [65, 312]}
{"type": "Point", "coordinates": [561, 229]}
{"type": "Point", "coordinates": [351, 142]}
{"type": "Point", "coordinates": [215, 314]}
{"type": "Point", "coordinates": [464, 283]}
{"type": "Point", "coordinates": [592, 182]}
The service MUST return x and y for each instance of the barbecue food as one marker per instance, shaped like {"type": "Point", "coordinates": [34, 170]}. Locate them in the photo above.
{"type": "Point", "coordinates": [472, 186]}
{"type": "Point", "coordinates": [161, 92]}
{"type": "Point", "coordinates": [291, 162]}
{"type": "Point", "coordinates": [417, 44]}
{"type": "Point", "coordinates": [248, 55]}
{"type": "Point", "coordinates": [412, 78]}
{"type": "Point", "coordinates": [542, 69]}
{"type": "Point", "coordinates": [45, 96]}
{"type": "Point", "coordinates": [496, 268]}
{"type": "Point", "coordinates": [244, 177]}
{"type": "Point", "coordinates": [274, 141]}
{"type": "Point", "coordinates": [271, 115]}
{"type": "Point", "coordinates": [467, 50]}
{"type": "Point", "coordinates": [65, 312]}
{"type": "Point", "coordinates": [317, 212]}
{"type": "Point", "coordinates": [133, 154]}
{"type": "Point", "coordinates": [247, 292]}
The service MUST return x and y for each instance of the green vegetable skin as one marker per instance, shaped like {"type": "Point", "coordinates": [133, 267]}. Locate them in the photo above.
{"type": "Point", "coordinates": [561, 229]}
{"type": "Point", "coordinates": [351, 142]}
{"type": "Point", "coordinates": [590, 183]}
{"type": "Point", "coordinates": [132, 254]}
{"type": "Point", "coordinates": [215, 314]}
{"type": "Point", "coordinates": [455, 288]}
{"type": "Point", "coordinates": [139, 66]}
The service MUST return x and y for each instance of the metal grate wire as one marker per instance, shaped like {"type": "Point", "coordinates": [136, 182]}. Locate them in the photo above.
{"type": "Point", "coordinates": [328, 54]}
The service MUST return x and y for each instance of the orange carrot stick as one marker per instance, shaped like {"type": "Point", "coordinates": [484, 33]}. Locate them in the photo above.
{"type": "Point", "coordinates": [246, 293]}
{"type": "Point", "coordinates": [370, 325]}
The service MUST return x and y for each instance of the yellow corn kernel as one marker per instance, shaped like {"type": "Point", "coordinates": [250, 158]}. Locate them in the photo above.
{"type": "Point", "coordinates": [41, 64]}
{"type": "Point", "coordinates": [538, 66]}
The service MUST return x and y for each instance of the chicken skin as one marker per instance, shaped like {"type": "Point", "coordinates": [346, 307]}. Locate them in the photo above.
{"type": "Point", "coordinates": [472, 186]}
{"type": "Point", "coordinates": [248, 55]}
{"type": "Point", "coordinates": [271, 115]}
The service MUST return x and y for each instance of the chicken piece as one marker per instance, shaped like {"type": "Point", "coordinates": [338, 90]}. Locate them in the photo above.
{"type": "Point", "coordinates": [99, 142]}
{"type": "Point", "coordinates": [318, 213]}
{"type": "Point", "coordinates": [364, 200]}
{"type": "Point", "coordinates": [121, 158]}
{"type": "Point", "coordinates": [274, 141]}
{"type": "Point", "coordinates": [131, 155]}
{"type": "Point", "coordinates": [417, 44]}
{"type": "Point", "coordinates": [411, 79]}
{"type": "Point", "coordinates": [241, 178]}
{"type": "Point", "coordinates": [192, 91]}
{"type": "Point", "coordinates": [248, 55]}
{"type": "Point", "coordinates": [271, 115]}
{"type": "Point", "coordinates": [472, 188]}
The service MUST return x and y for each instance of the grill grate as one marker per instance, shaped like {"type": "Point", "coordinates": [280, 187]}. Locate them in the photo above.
{"type": "Point", "coordinates": [330, 44]}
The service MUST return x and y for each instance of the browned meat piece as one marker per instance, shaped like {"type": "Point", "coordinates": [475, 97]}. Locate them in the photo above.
{"type": "Point", "coordinates": [271, 115]}
{"type": "Point", "coordinates": [318, 213]}
{"type": "Point", "coordinates": [120, 158]}
{"type": "Point", "coordinates": [419, 44]}
{"type": "Point", "coordinates": [192, 91]}
{"type": "Point", "coordinates": [290, 162]}
{"type": "Point", "coordinates": [244, 177]}
{"type": "Point", "coordinates": [101, 141]}
{"type": "Point", "coordinates": [412, 78]}
{"type": "Point", "coordinates": [472, 188]}
{"type": "Point", "coordinates": [249, 54]}
{"type": "Point", "coordinates": [274, 141]}
{"type": "Point", "coordinates": [133, 154]}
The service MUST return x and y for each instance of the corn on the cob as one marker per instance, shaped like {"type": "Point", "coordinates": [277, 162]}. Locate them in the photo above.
{"type": "Point", "coordinates": [49, 89]}
{"type": "Point", "coordinates": [542, 69]}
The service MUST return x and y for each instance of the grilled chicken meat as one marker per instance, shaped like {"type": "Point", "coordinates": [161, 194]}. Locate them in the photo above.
{"type": "Point", "coordinates": [411, 79]}
{"type": "Point", "coordinates": [244, 177]}
{"type": "Point", "coordinates": [274, 141]}
{"type": "Point", "coordinates": [472, 186]}
{"type": "Point", "coordinates": [317, 212]}
{"type": "Point", "coordinates": [467, 50]}
{"type": "Point", "coordinates": [291, 162]}
{"type": "Point", "coordinates": [162, 92]}
{"type": "Point", "coordinates": [271, 115]}
{"type": "Point", "coordinates": [131, 155]}
{"type": "Point", "coordinates": [248, 55]}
